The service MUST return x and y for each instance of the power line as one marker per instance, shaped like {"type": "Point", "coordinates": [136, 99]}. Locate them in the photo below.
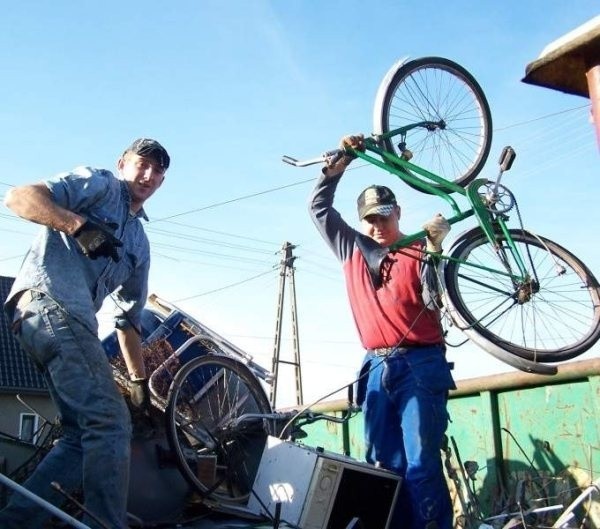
{"type": "Point", "coordinates": [335, 278]}
{"type": "Point", "coordinates": [254, 337]}
{"type": "Point", "coordinates": [541, 117]}
{"type": "Point", "coordinates": [211, 242]}
{"type": "Point", "coordinates": [225, 287]}
{"type": "Point", "coordinates": [197, 262]}
{"type": "Point", "coordinates": [205, 252]}
{"type": "Point", "coordinates": [12, 257]}
{"type": "Point", "coordinates": [252, 195]}
{"type": "Point", "coordinates": [235, 235]}
{"type": "Point", "coordinates": [230, 201]}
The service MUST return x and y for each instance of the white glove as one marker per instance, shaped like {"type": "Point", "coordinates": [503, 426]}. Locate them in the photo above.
{"type": "Point", "coordinates": [437, 228]}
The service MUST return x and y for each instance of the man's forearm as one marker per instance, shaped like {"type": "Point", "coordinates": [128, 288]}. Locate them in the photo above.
{"type": "Point", "coordinates": [131, 348]}
{"type": "Point", "coordinates": [34, 203]}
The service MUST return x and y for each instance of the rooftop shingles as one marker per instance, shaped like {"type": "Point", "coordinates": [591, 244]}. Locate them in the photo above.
{"type": "Point", "coordinates": [17, 371]}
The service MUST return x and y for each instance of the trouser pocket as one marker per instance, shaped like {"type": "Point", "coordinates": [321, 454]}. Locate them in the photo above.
{"type": "Point", "coordinates": [35, 328]}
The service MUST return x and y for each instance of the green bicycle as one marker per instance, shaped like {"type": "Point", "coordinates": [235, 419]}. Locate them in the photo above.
{"type": "Point", "coordinates": [520, 296]}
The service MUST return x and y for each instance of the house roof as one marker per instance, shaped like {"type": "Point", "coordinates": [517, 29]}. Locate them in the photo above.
{"type": "Point", "coordinates": [17, 371]}
{"type": "Point", "coordinates": [563, 64]}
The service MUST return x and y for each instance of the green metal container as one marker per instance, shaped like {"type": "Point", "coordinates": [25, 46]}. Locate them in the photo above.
{"type": "Point", "coordinates": [517, 443]}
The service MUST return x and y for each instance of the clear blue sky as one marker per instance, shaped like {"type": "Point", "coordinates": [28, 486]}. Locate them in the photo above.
{"type": "Point", "coordinates": [228, 88]}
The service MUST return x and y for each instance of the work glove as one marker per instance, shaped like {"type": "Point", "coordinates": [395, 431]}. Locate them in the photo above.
{"type": "Point", "coordinates": [139, 394]}
{"type": "Point", "coordinates": [97, 240]}
{"type": "Point", "coordinates": [436, 229]}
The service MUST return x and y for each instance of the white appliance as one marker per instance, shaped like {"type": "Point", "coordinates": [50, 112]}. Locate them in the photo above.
{"type": "Point", "coordinates": [321, 490]}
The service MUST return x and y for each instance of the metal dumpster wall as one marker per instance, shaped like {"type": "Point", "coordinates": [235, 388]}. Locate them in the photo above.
{"type": "Point", "coordinates": [525, 433]}
{"type": "Point", "coordinates": [530, 435]}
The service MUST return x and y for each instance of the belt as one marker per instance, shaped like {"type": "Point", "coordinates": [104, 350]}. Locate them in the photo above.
{"type": "Point", "coordinates": [386, 351]}
{"type": "Point", "coordinates": [26, 297]}
{"type": "Point", "coordinates": [399, 350]}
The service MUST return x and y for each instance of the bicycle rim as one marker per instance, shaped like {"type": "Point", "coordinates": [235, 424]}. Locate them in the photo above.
{"type": "Point", "coordinates": [217, 455]}
{"type": "Point", "coordinates": [554, 316]}
{"type": "Point", "coordinates": [435, 89]}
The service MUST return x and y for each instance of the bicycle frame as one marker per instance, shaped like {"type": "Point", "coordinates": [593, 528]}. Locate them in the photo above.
{"type": "Point", "coordinates": [407, 172]}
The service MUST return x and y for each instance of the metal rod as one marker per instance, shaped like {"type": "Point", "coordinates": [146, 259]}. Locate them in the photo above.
{"type": "Point", "coordinates": [42, 503]}
{"type": "Point", "coordinates": [56, 486]}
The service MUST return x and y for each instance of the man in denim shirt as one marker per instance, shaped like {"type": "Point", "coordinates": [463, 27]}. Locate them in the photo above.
{"type": "Point", "coordinates": [405, 377]}
{"type": "Point", "coordinates": [92, 244]}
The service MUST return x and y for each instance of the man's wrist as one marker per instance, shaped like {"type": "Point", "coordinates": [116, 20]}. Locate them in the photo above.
{"type": "Point", "coordinates": [337, 168]}
{"type": "Point", "coordinates": [433, 248]}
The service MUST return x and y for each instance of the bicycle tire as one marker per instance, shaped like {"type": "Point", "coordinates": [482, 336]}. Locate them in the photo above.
{"type": "Point", "coordinates": [553, 317]}
{"type": "Point", "coordinates": [206, 396]}
{"type": "Point", "coordinates": [438, 89]}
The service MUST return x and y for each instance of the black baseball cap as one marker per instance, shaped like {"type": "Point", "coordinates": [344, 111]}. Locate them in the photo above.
{"type": "Point", "coordinates": [376, 200]}
{"type": "Point", "coordinates": [150, 148]}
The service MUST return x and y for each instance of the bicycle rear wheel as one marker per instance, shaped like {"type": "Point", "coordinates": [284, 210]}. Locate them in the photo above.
{"type": "Point", "coordinates": [217, 452]}
{"type": "Point", "coordinates": [440, 91]}
{"type": "Point", "coordinates": [553, 315]}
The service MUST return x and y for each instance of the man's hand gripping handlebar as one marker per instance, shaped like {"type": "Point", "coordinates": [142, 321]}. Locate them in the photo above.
{"type": "Point", "coordinates": [348, 146]}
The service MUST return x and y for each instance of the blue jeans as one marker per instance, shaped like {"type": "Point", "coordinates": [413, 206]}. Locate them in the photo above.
{"type": "Point", "coordinates": [93, 452]}
{"type": "Point", "coordinates": [403, 399]}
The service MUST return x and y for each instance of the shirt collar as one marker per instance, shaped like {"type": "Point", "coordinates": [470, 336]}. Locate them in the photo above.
{"type": "Point", "coordinates": [141, 213]}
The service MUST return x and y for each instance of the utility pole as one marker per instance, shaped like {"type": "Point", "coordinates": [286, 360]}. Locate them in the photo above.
{"type": "Point", "coordinates": [286, 271]}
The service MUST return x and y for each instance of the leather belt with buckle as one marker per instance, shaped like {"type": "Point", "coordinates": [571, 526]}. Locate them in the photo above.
{"type": "Point", "coordinates": [383, 351]}
{"type": "Point", "coordinates": [399, 350]}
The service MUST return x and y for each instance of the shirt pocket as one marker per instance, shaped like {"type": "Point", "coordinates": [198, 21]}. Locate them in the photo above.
{"type": "Point", "coordinates": [120, 273]}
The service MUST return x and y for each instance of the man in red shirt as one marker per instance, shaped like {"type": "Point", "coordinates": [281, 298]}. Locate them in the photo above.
{"type": "Point", "coordinates": [405, 378]}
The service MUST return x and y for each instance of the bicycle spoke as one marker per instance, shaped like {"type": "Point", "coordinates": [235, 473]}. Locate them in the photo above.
{"type": "Point", "coordinates": [486, 286]}
{"type": "Point", "coordinates": [554, 317]}
{"type": "Point", "coordinates": [216, 457]}
{"type": "Point", "coordinates": [435, 90]}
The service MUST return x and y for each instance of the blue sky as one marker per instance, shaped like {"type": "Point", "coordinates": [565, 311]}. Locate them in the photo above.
{"type": "Point", "coordinates": [228, 88]}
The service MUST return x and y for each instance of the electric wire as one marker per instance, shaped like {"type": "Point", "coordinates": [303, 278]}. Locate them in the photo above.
{"type": "Point", "coordinates": [206, 252]}
{"type": "Point", "coordinates": [224, 287]}
{"type": "Point", "coordinates": [196, 262]}
{"type": "Point", "coordinates": [212, 242]}
{"type": "Point", "coordinates": [545, 116]}
{"type": "Point", "coordinates": [232, 200]}
{"type": "Point", "coordinates": [217, 232]}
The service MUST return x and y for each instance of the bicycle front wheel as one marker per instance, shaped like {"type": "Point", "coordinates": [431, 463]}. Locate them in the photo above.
{"type": "Point", "coordinates": [550, 316]}
{"type": "Point", "coordinates": [456, 142]}
{"type": "Point", "coordinates": [214, 426]}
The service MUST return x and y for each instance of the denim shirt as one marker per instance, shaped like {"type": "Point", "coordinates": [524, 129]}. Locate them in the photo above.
{"type": "Point", "coordinates": [56, 266]}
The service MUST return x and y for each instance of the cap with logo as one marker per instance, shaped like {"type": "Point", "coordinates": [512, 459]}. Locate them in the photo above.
{"type": "Point", "coordinates": [376, 200]}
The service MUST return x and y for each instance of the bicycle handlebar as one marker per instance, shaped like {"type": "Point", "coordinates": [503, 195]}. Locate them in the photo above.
{"type": "Point", "coordinates": [328, 156]}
